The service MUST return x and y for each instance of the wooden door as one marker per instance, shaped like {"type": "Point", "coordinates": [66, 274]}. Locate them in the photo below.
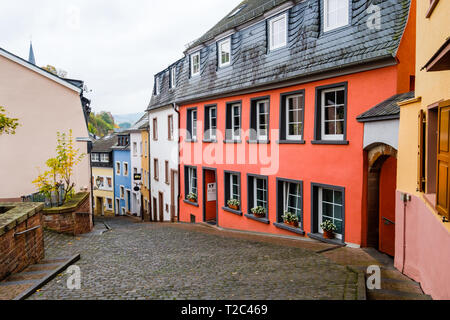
{"type": "Point", "coordinates": [443, 160]}
{"type": "Point", "coordinates": [388, 186]}
{"type": "Point", "coordinates": [155, 210]}
{"type": "Point", "coordinates": [161, 207]}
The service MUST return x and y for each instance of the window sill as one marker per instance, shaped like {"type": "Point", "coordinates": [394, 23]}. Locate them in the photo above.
{"type": "Point", "coordinates": [239, 213]}
{"type": "Point", "coordinates": [289, 228]}
{"type": "Point", "coordinates": [262, 220]}
{"type": "Point", "coordinates": [209, 141]}
{"type": "Point", "coordinates": [319, 237]}
{"type": "Point", "coordinates": [331, 142]}
{"type": "Point", "coordinates": [291, 142]}
{"type": "Point", "coordinates": [195, 204]}
{"type": "Point", "coordinates": [232, 141]}
{"type": "Point", "coordinates": [191, 140]}
{"type": "Point", "coordinates": [258, 141]}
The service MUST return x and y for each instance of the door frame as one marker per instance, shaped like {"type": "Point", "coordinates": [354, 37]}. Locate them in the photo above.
{"type": "Point", "coordinates": [161, 206]}
{"type": "Point", "coordinates": [155, 209]}
{"type": "Point", "coordinates": [205, 197]}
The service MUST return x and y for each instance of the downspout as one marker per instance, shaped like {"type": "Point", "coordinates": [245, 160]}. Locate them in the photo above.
{"type": "Point", "coordinates": [175, 108]}
{"type": "Point", "coordinates": [149, 175]}
{"type": "Point", "coordinates": [406, 198]}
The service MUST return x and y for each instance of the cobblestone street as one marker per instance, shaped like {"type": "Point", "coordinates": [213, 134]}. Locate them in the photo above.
{"type": "Point", "coordinates": [163, 261]}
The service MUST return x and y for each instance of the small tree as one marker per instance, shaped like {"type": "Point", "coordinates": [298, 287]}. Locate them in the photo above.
{"type": "Point", "coordinates": [61, 169]}
{"type": "Point", "coordinates": [7, 125]}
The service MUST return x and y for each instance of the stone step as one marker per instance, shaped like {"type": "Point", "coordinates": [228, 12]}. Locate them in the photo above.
{"type": "Point", "coordinates": [385, 294]}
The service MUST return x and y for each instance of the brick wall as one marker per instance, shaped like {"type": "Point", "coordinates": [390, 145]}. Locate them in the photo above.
{"type": "Point", "coordinates": [18, 252]}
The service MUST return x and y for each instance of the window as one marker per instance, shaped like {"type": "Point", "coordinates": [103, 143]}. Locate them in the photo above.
{"type": "Point", "coordinates": [166, 171]}
{"type": "Point", "coordinates": [140, 148]}
{"type": "Point", "coordinates": [170, 127]}
{"type": "Point", "coordinates": [102, 182]}
{"type": "Point", "coordinates": [336, 14]}
{"type": "Point", "coordinates": [156, 169]}
{"type": "Point", "coordinates": [135, 149]}
{"type": "Point", "coordinates": [125, 169]}
{"type": "Point", "coordinates": [109, 204]}
{"type": "Point", "coordinates": [259, 119]}
{"type": "Point", "coordinates": [331, 205]}
{"type": "Point", "coordinates": [278, 32]}
{"type": "Point", "coordinates": [292, 117]}
{"type": "Point", "coordinates": [210, 123]}
{"type": "Point", "coordinates": [122, 192]}
{"type": "Point", "coordinates": [173, 77]}
{"type": "Point", "coordinates": [232, 187]}
{"type": "Point", "coordinates": [257, 193]}
{"type": "Point", "coordinates": [195, 64]}
{"type": "Point", "coordinates": [118, 168]}
{"type": "Point", "coordinates": [233, 122]}
{"type": "Point", "coordinates": [104, 157]}
{"type": "Point", "coordinates": [157, 86]}
{"type": "Point", "coordinates": [290, 199]}
{"type": "Point", "coordinates": [190, 181]}
{"type": "Point", "coordinates": [95, 157]}
{"type": "Point", "coordinates": [155, 129]}
{"type": "Point", "coordinates": [109, 182]}
{"type": "Point", "coordinates": [192, 125]}
{"type": "Point", "coordinates": [331, 114]}
{"type": "Point", "coordinates": [146, 149]}
{"type": "Point", "coordinates": [224, 50]}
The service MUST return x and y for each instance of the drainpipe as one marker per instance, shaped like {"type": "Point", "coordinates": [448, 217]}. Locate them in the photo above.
{"type": "Point", "coordinates": [406, 198]}
{"type": "Point", "coordinates": [175, 108]}
{"type": "Point", "coordinates": [149, 175]}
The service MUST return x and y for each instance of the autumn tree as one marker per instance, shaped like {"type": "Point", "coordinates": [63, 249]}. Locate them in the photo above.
{"type": "Point", "coordinates": [7, 125]}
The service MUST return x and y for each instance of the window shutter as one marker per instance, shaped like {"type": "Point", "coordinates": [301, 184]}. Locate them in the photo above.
{"type": "Point", "coordinates": [443, 160]}
{"type": "Point", "coordinates": [421, 153]}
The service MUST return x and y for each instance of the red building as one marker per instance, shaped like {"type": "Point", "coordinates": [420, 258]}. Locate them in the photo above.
{"type": "Point", "coordinates": [268, 103]}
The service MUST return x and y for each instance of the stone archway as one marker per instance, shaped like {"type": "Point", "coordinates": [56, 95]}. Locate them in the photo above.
{"type": "Point", "coordinates": [377, 155]}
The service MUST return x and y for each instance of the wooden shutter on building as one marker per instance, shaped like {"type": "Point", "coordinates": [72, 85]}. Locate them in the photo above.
{"type": "Point", "coordinates": [443, 160]}
{"type": "Point", "coordinates": [421, 152]}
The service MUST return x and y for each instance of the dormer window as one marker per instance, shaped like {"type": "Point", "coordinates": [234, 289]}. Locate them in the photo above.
{"type": "Point", "coordinates": [336, 14]}
{"type": "Point", "coordinates": [157, 86]}
{"type": "Point", "coordinates": [278, 32]}
{"type": "Point", "coordinates": [173, 77]}
{"type": "Point", "coordinates": [224, 53]}
{"type": "Point", "coordinates": [195, 64]}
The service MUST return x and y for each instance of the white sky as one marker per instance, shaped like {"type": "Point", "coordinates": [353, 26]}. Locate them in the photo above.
{"type": "Point", "coordinates": [115, 46]}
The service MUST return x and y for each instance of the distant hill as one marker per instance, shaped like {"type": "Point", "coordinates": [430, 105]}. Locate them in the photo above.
{"type": "Point", "coordinates": [128, 118]}
{"type": "Point", "coordinates": [125, 126]}
{"type": "Point", "coordinates": [101, 124]}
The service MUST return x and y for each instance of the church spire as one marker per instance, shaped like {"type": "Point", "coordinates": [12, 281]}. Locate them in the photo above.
{"type": "Point", "coordinates": [31, 58]}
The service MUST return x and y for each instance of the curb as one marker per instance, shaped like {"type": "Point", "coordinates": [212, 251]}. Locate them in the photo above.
{"type": "Point", "coordinates": [361, 293]}
{"type": "Point", "coordinates": [27, 293]}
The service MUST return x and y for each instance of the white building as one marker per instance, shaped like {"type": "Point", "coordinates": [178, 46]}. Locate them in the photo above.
{"type": "Point", "coordinates": [164, 163]}
{"type": "Point", "coordinates": [136, 154]}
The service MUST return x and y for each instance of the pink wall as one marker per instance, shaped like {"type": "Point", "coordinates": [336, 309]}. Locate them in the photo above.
{"type": "Point", "coordinates": [43, 108]}
{"type": "Point", "coordinates": [427, 258]}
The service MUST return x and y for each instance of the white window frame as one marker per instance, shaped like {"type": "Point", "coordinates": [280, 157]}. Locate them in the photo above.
{"type": "Point", "coordinates": [112, 183]}
{"type": "Point", "coordinates": [191, 180]}
{"type": "Point", "coordinates": [122, 192]}
{"type": "Point", "coordinates": [258, 123]}
{"type": "Point", "coordinates": [286, 195]}
{"type": "Point", "coordinates": [236, 136]}
{"type": "Point", "coordinates": [272, 21]}
{"type": "Point", "coordinates": [117, 206]}
{"type": "Point", "coordinates": [104, 157]}
{"type": "Point", "coordinates": [118, 172]}
{"type": "Point", "coordinates": [196, 54]}
{"type": "Point", "coordinates": [331, 137]}
{"type": "Point", "coordinates": [135, 151]}
{"type": "Point", "coordinates": [173, 77]}
{"type": "Point", "coordinates": [108, 207]}
{"type": "Point", "coordinates": [126, 172]}
{"type": "Point", "coordinates": [255, 193]}
{"type": "Point", "coordinates": [232, 184]}
{"type": "Point", "coordinates": [326, 25]}
{"type": "Point", "coordinates": [95, 157]}
{"type": "Point", "coordinates": [320, 208]}
{"type": "Point", "coordinates": [212, 129]}
{"type": "Point", "coordinates": [194, 127]}
{"type": "Point", "coordinates": [300, 108]}
{"type": "Point", "coordinates": [220, 51]}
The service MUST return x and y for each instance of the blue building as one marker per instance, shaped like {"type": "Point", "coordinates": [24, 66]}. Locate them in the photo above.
{"type": "Point", "coordinates": [122, 175]}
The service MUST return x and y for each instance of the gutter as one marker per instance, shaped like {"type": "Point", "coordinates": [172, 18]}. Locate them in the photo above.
{"type": "Point", "coordinates": [175, 108]}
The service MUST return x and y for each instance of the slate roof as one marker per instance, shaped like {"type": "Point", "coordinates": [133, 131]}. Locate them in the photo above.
{"type": "Point", "coordinates": [387, 109]}
{"type": "Point", "coordinates": [140, 124]}
{"type": "Point", "coordinates": [105, 144]}
{"type": "Point", "coordinates": [310, 50]}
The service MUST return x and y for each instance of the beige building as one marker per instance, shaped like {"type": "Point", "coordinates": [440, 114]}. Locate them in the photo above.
{"type": "Point", "coordinates": [44, 104]}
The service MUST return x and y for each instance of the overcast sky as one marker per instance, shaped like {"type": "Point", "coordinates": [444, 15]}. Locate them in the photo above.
{"type": "Point", "coordinates": [114, 46]}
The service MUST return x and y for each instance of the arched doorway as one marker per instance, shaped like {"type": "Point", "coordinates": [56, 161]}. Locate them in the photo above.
{"type": "Point", "coordinates": [381, 189]}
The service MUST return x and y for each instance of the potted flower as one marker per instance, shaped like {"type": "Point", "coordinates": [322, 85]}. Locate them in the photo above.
{"type": "Point", "coordinates": [233, 204]}
{"type": "Point", "coordinates": [192, 197]}
{"type": "Point", "coordinates": [259, 212]}
{"type": "Point", "coordinates": [328, 228]}
{"type": "Point", "coordinates": [290, 219]}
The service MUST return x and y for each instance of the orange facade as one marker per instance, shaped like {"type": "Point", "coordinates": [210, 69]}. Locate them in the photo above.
{"type": "Point", "coordinates": [340, 165]}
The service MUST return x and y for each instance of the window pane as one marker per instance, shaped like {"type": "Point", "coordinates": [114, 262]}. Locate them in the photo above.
{"type": "Point", "coordinates": [330, 98]}
{"type": "Point", "coordinates": [330, 128]}
{"type": "Point", "coordinates": [327, 195]}
{"type": "Point", "coordinates": [338, 197]}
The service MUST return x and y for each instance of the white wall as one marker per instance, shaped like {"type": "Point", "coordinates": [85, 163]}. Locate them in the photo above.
{"type": "Point", "coordinates": [136, 162]}
{"type": "Point", "coordinates": [381, 131]}
{"type": "Point", "coordinates": [164, 150]}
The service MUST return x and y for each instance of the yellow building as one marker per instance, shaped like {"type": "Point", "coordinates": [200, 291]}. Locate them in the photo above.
{"type": "Point", "coordinates": [103, 176]}
{"type": "Point", "coordinates": [145, 190]}
{"type": "Point", "coordinates": [423, 184]}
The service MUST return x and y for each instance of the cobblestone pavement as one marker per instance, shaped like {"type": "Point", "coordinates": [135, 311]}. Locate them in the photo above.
{"type": "Point", "coordinates": [184, 262]}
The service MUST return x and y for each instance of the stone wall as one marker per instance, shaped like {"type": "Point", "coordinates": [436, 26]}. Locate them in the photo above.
{"type": "Point", "coordinates": [19, 250]}
{"type": "Point", "coordinates": [73, 218]}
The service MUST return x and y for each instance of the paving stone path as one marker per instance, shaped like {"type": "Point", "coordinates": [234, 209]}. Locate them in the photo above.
{"type": "Point", "coordinates": [183, 262]}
